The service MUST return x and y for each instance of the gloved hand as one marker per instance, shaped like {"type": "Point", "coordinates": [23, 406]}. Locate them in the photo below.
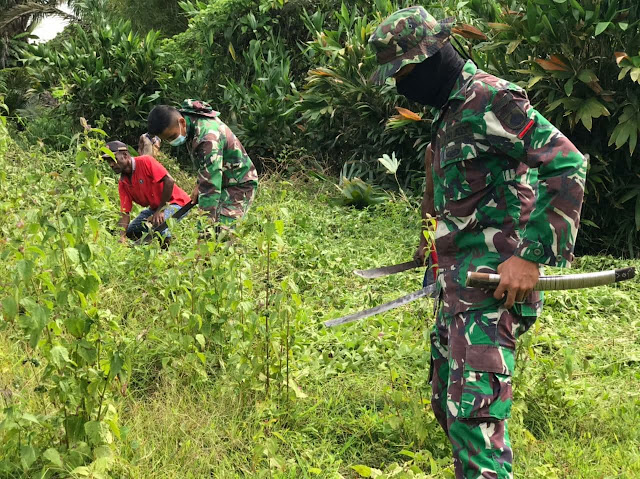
{"type": "Point", "coordinates": [148, 145]}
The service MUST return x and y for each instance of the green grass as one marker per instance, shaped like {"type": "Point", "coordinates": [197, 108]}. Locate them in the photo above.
{"type": "Point", "coordinates": [361, 395]}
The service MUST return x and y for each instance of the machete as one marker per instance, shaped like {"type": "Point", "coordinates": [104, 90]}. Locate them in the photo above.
{"type": "Point", "coordinates": [387, 270]}
{"type": "Point", "coordinates": [554, 283]}
{"type": "Point", "coordinates": [176, 216]}
{"type": "Point", "coordinates": [382, 308]}
{"type": "Point", "coordinates": [491, 281]}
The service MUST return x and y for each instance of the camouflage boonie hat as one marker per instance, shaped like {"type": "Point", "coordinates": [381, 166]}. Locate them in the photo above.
{"type": "Point", "coordinates": [197, 107]}
{"type": "Point", "coordinates": [410, 35]}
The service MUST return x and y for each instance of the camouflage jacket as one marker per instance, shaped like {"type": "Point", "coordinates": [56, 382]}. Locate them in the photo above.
{"type": "Point", "coordinates": [215, 150]}
{"type": "Point", "coordinates": [506, 182]}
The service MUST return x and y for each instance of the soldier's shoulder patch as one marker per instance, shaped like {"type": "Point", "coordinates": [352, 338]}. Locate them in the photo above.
{"type": "Point", "coordinates": [509, 111]}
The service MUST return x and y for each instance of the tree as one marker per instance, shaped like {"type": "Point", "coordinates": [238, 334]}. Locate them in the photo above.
{"type": "Point", "coordinates": [19, 17]}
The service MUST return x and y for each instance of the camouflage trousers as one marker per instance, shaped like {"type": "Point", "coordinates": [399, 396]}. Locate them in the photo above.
{"type": "Point", "coordinates": [229, 205]}
{"type": "Point", "coordinates": [472, 361]}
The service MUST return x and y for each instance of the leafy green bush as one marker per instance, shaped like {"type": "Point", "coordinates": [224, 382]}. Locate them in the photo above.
{"type": "Point", "coordinates": [357, 193]}
{"type": "Point", "coordinates": [579, 63]}
{"type": "Point", "coordinates": [146, 15]}
{"type": "Point", "coordinates": [342, 114]}
{"type": "Point", "coordinates": [110, 73]}
{"type": "Point", "coordinates": [75, 359]}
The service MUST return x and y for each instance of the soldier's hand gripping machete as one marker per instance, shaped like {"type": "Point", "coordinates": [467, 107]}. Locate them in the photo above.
{"type": "Point", "coordinates": [554, 283]}
{"type": "Point", "coordinates": [491, 281]}
{"type": "Point", "coordinates": [176, 216]}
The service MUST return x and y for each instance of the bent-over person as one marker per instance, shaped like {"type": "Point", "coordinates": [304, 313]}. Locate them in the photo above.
{"type": "Point", "coordinates": [227, 179]}
{"type": "Point", "coordinates": [144, 181]}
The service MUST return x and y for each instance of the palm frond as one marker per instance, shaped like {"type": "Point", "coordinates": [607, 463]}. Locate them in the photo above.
{"type": "Point", "coordinates": [29, 9]}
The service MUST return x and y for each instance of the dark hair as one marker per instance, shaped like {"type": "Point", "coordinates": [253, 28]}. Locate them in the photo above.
{"type": "Point", "coordinates": [160, 118]}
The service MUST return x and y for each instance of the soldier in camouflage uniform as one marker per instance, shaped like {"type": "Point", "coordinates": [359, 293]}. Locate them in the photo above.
{"type": "Point", "coordinates": [507, 194]}
{"type": "Point", "coordinates": [227, 179]}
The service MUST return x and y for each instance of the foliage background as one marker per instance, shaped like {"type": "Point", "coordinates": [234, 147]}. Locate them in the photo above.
{"type": "Point", "coordinates": [118, 362]}
{"type": "Point", "coordinates": [290, 78]}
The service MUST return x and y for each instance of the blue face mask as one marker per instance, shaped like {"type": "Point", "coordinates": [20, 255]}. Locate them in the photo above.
{"type": "Point", "coordinates": [178, 141]}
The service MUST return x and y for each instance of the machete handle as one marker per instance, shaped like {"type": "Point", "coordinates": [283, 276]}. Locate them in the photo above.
{"type": "Point", "coordinates": [483, 280]}
{"type": "Point", "coordinates": [623, 274]}
{"type": "Point", "coordinates": [549, 283]}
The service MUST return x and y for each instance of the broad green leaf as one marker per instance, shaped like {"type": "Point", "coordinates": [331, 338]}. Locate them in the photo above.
{"type": "Point", "coordinates": [513, 45]}
{"type": "Point", "coordinates": [568, 87]}
{"type": "Point", "coordinates": [200, 339]}
{"type": "Point", "coordinates": [30, 417]}
{"type": "Point", "coordinates": [576, 5]}
{"type": "Point", "coordinates": [534, 80]}
{"type": "Point", "coordinates": [279, 224]}
{"type": "Point", "coordinates": [9, 307]}
{"type": "Point", "coordinates": [115, 365]}
{"type": "Point", "coordinates": [297, 389]}
{"type": "Point", "coordinates": [73, 255]}
{"type": "Point", "coordinates": [601, 27]}
{"type": "Point", "coordinates": [103, 452]}
{"type": "Point", "coordinates": [547, 24]}
{"type": "Point", "coordinates": [201, 357]}
{"type": "Point", "coordinates": [623, 72]}
{"type": "Point", "coordinates": [81, 471]}
{"type": "Point", "coordinates": [589, 110]}
{"type": "Point", "coordinates": [27, 456]}
{"type": "Point", "coordinates": [98, 433]}
{"type": "Point", "coordinates": [59, 356]}
{"type": "Point", "coordinates": [628, 195]}
{"type": "Point", "coordinates": [362, 470]}
{"type": "Point", "coordinates": [25, 269]}
{"type": "Point", "coordinates": [366, 471]}
{"type": "Point", "coordinates": [532, 16]}
{"type": "Point", "coordinates": [587, 76]}
{"type": "Point", "coordinates": [53, 456]}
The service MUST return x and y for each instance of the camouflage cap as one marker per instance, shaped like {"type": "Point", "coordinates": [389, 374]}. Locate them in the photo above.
{"type": "Point", "coordinates": [410, 35]}
{"type": "Point", "coordinates": [197, 107]}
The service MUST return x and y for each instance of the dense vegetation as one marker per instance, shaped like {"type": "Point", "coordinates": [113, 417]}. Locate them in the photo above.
{"type": "Point", "coordinates": [210, 359]}
{"type": "Point", "coordinates": [290, 77]}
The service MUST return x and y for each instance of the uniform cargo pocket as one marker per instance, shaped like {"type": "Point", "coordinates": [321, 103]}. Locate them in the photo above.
{"type": "Point", "coordinates": [486, 388]}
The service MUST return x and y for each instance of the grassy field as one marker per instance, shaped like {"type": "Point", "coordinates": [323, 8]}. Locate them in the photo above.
{"type": "Point", "coordinates": [223, 366]}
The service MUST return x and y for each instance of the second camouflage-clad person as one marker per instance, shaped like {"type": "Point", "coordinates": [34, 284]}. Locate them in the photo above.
{"type": "Point", "coordinates": [227, 178]}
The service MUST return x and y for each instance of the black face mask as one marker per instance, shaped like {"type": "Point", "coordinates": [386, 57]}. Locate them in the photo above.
{"type": "Point", "coordinates": [431, 81]}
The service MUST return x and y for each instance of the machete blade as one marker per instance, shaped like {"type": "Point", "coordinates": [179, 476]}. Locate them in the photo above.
{"type": "Point", "coordinates": [429, 290]}
{"type": "Point", "coordinates": [176, 216]}
{"type": "Point", "coordinates": [387, 270]}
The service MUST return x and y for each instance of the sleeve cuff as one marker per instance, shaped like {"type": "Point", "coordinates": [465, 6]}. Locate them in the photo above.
{"type": "Point", "coordinates": [539, 253]}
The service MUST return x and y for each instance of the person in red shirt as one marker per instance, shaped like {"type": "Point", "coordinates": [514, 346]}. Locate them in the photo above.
{"type": "Point", "coordinates": [143, 180]}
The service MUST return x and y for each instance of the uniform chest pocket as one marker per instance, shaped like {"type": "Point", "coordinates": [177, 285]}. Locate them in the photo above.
{"type": "Point", "coordinates": [458, 144]}
{"type": "Point", "coordinates": [463, 172]}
